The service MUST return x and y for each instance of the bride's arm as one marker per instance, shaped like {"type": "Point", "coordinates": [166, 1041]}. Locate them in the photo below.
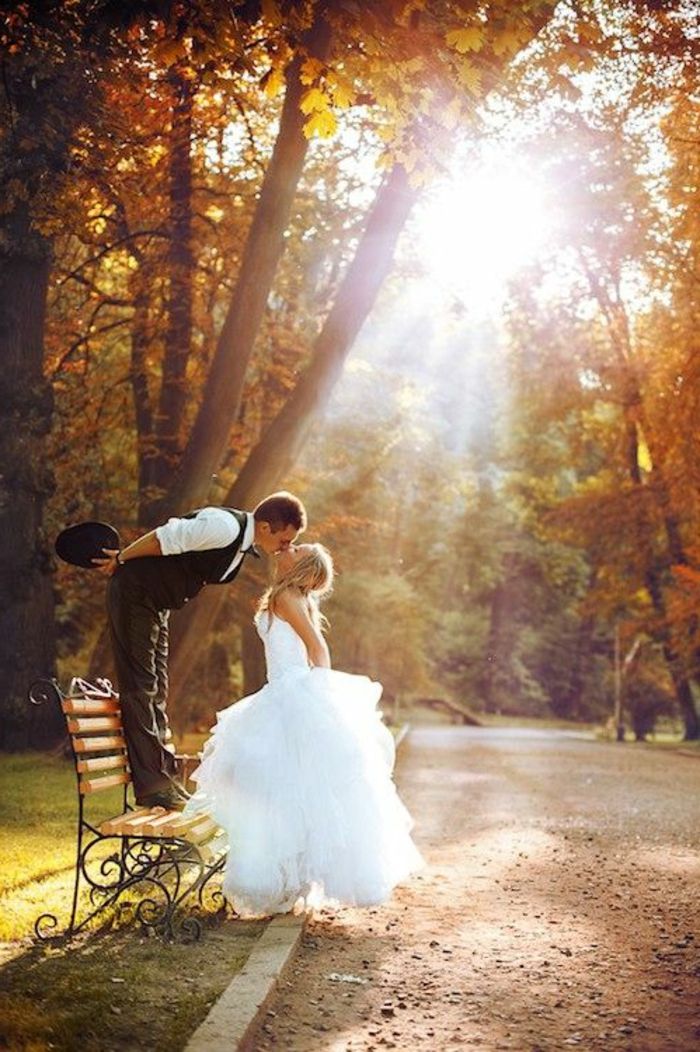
{"type": "Point", "coordinates": [291, 607]}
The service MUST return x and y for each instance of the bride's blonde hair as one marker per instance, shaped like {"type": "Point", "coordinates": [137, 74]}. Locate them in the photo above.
{"type": "Point", "coordinates": [312, 575]}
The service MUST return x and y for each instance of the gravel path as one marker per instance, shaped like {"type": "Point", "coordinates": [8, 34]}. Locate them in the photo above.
{"type": "Point", "coordinates": [559, 908]}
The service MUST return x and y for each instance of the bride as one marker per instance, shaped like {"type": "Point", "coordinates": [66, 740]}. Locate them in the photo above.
{"type": "Point", "coordinates": [299, 774]}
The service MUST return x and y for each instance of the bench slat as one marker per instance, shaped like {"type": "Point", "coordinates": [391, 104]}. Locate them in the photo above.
{"type": "Point", "coordinates": [202, 831]}
{"type": "Point", "coordinates": [95, 785]}
{"type": "Point", "coordinates": [197, 829]}
{"type": "Point", "coordinates": [97, 723]}
{"type": "Point", "coordinates": [90, 706]}
{"type": "Point", "coordinates": [144, 823]}
{"type": "Point", "coordinates": [101, 763]}
{"type": "Point", "coordinates": [127, 824]}
{"type": "Point", "coordinates": [157, 822]}
{"type": "Point", "coordinates": [135, 823]}
{"type": "Point", "coordinates": [98, 744]}
{"type": "Point", "coordinates": [112, 825]}
{"type": "Point", "coordinates": [214, 847]}
{"type": "Point", "coordinates": [177, 825]}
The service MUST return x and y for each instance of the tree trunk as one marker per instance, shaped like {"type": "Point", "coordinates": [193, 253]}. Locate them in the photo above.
{"type": "Point", "coordinates": [45, 96]}
{"type": "Point", "coordinates": [653, 580]}
{"type": "Point", "coordinates": [279, 447]}
{"type": "Point", "coordinates": [264, 247]}
{"type": "Point", "coordinates": [27, 646]}
{"type": "Point", "coordinates": [143, 411]}
{"type": "Point", "coordinates": [494, 648]}
{"type": "Point", "coordinates": [684, 695]}
{"type": "Point", "coordinates": [283, 440]}
{"type": "Point", "coordinates": [634, 415]}
{"type": "Point", "coordinates": [163, 456]}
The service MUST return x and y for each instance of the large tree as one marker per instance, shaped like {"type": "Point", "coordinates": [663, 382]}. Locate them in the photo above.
{"type": "Point", "coordinates": [50, 64]}
{"type": "Point", "coordinates": [411, 75]}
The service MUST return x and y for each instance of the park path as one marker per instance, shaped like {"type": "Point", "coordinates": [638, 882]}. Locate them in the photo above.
{"type": "Point", "coordinates": [558, 909]}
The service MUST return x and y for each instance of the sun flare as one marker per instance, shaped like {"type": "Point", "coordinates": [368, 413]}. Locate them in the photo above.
{"type": "Point", "coordinates": [480, 228]}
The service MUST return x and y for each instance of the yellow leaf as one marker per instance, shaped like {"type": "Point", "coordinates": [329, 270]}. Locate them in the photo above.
{"type": "Point", "coordinates": [643, 455]}
{"type": "Point", "coordinates": [313, 99]}
{"type": "Point", "coordinates": [342, 91]}
{"type": "Point", "coordinates": [506, 43]}
{"type": "Point", "coordinates": [469, 38]}
{"type": "Point", "coordinates": [470, 76]}
{"type": "Point", "coordinates": [414, 65]}
{"type": "Point", "coordinates": [155, 154]}
{"type": "Point", "coordinates": [589, 33]}
{"type": "Point", "coordinates": [322, 124]}
{"type": "Point", "coordinates": [273, 83]}
{"type": "Point", "coordinates": [343, 97]}
{"type": "Point", "coordinates": [311, 70]}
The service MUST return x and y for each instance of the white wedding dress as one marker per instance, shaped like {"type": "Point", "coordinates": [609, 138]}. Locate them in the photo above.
{"type": "Point", "coordinates": [299, 777]}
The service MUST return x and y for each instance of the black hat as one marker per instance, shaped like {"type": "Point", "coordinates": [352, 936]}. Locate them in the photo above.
{"type": "Point", "coordinates": [82, 543]}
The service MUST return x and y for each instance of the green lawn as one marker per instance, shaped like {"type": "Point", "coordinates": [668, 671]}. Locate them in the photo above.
{"type": "Point", "coordinates": [38, 809]}
{"type": "Point", "coordinates": [105, 990]}
{"type": "Point", "coordinates": [37, 818]}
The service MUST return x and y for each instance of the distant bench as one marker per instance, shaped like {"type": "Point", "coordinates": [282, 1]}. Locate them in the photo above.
{"type": "Point", "coordinates": [169, 858]}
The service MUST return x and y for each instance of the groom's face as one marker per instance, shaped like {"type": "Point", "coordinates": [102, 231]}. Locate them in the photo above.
{"type": "Point", "coordinates": [271, 542]}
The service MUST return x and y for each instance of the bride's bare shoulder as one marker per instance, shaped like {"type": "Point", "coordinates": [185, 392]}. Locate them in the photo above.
{"type": "Point", "coordinates": [290, 604]}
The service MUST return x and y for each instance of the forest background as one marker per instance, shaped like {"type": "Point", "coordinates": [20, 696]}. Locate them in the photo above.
{"type": "Point", "coordinates": [432, 266]}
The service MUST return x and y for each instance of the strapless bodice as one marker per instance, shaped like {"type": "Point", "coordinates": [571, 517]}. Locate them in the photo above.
{"type": "Point", "coordinates": [284, 650]}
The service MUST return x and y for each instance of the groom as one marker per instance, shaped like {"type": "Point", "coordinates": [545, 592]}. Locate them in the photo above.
{"type": "Point", "coordinates": [160, 572]}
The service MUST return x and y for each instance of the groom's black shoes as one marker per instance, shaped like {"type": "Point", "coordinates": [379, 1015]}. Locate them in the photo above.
{"type": "Point", "coordinates": [172, 799]}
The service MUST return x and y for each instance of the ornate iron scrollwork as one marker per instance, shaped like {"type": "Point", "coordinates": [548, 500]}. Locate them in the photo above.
{"type": "Point", "coordinates": [171, 872]}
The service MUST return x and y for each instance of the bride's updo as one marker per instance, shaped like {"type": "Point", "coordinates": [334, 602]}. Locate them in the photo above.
{"type": "Point", "coordinates": [312, 575]}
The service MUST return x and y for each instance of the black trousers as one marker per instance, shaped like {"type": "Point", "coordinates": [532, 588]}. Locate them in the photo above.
{"type": "Point", "coordinates": [140, 643]}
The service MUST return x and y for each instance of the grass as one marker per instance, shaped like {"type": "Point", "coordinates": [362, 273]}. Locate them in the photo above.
{"type": "Point", "coordinates": [37, 817]}
{"type": "Point", "coordinates": [37, 842]}
{"type": "Point", "coordinates": [115, 989]}
{"type": "Point", "coordinates": [118, 991]}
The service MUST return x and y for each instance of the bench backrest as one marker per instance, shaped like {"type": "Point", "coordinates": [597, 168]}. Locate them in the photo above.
{"type": "Point", "coordinates": [95, 727]}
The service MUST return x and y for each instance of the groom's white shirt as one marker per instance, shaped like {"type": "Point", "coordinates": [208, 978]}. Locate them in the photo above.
{"type": "Point", "coordinates": [210, 528]}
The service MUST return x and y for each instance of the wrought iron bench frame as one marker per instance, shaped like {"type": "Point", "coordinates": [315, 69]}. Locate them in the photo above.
{"type": "Point", "coordinates": [173, 858]}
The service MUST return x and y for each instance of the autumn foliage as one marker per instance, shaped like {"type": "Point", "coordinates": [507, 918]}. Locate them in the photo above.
{"type": "Point", "coordinates": [202, 207]}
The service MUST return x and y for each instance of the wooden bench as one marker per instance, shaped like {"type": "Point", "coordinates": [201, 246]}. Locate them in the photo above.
{"type": "Point", "coordinates": [169, 860]}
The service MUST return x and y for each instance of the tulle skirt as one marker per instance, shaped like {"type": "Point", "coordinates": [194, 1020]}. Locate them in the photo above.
{"type": "Point", "coordinates": [299, 777]}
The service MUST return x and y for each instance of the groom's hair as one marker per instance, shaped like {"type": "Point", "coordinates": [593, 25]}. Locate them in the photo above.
{"type": "Point", "coordinates": [281, 510]}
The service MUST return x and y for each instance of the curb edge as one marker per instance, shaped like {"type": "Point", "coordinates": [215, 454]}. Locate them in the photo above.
{"type": "Point", "coordinates": [234, 1016]}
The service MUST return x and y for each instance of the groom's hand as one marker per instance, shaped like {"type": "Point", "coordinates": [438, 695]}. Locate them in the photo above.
{"type": "Point", "coordinates": [108, 564]}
